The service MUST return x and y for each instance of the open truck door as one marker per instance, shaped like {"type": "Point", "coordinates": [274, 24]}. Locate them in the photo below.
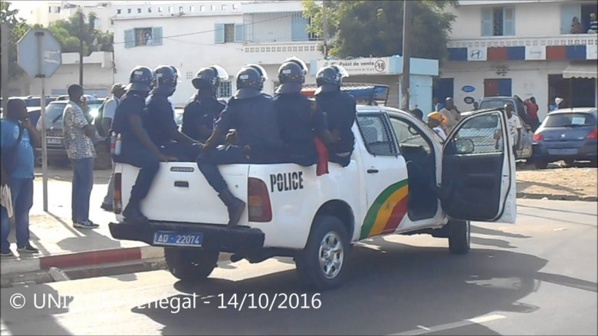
{"type": "Point", "coordinates": [478, 170]}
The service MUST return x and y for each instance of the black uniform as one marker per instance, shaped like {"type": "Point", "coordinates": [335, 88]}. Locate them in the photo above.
{"type": "Point", "coordinates": [257, 134]}
{"type": "Point", "coordinates": [299, 122]}
{"type": "Point", "coordinates": [201, 111]}
{"type": "Point", "coordinates": [340, 110]}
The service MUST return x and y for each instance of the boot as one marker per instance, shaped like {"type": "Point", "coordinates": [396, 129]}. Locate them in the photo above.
{"type": "Point", "coordinates": [133, 214]}
{"type": "Point", "coordinates": [235, 207]}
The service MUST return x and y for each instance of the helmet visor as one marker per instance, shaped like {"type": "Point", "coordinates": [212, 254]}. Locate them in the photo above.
{"type": "Point", "coordinates": [220, 72]}
{"type": "Point", "coordinates": [298, 61]}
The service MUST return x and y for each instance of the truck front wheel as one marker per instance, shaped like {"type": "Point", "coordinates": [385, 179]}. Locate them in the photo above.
{"type": "Point", "coordinates": [322, 263]}
{"type": "Point", "coordinates": [190, 264]}
{"type": "Point", "coordinates": [459, 236]}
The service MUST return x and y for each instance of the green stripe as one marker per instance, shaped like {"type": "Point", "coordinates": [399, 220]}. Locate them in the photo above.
{"type": "Point", "coordinates": [370, 218]}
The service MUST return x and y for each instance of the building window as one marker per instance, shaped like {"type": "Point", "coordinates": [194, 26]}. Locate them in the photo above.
{"type": "Point", "coordinates": [148, 36]}
{"type": "Point", "coordinates": [212, 8]}
{"type": "Point", "coordinates": [170, 9]}
{"type": "Point", "coordinates": [225, 90]}
{"type": "Point", "coordinates": [576, 18]}
{"type": "Point", "coordinates": [229, 33]}
{"type": "Point", "coordinates": [139, 10]}
{"type": "Point", "coordinates": [97, 23]}
{"type": "Point", "coordinates": [149, 9]}
{"type": "Point", "coordinates": [49, 9]}
{"type": "Point", "coordinates": [190, 75]}
{"type": "Point", "coordinates": [181, 9]}
{"type": "Point", "coordinates": [118, 11]}
{"type": "Point", "coordinates": [112, 22]}
{"type": "Point", "coordinates": [223, 7]}
{"type": "Point", "coordinates": [129, 10]}
{"type": "Point", "coordinates": [202, 8]}
{"type": "Point", "coordinates": [191, 9]}
{"type": "Point", "coordinates": [498, 21]}
{"type": "Point", "coordinates": [159, 9]}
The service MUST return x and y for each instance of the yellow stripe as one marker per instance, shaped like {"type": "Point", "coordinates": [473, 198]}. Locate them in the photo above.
{"type": "Point", "coordinates": [386, 210]}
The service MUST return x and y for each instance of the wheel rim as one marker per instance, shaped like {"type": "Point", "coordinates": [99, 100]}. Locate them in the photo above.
{"type": "Point", "coordinates": [331, 255]}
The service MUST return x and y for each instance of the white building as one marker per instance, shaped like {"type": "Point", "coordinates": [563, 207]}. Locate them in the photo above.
{"type": "Point", "coordinates": [51, 11]}
{"type": "Point", "coordinates": [522, 48]}
{"type": "Point", "coordinates": [192, 35]}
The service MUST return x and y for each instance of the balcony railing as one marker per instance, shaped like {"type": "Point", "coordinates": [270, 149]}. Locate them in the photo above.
{"type": "Point", "coordinates": [510, 41]}
{"type": "Point", "coordinates": [275, 52]}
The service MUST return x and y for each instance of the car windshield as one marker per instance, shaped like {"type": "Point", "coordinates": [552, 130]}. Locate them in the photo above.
{"type": "Point", "coordinates": [494, 103]}
{"type": "Point", "coordinates": [570, 120]}
{"type": "Point", "coordinates": [488, 121]}
{"type": "Point", "coordinates": [33, 102]}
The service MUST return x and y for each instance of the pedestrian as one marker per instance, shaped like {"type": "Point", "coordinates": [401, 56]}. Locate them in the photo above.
{"type": "Point", "coordinates": [17, 142]}
{"type": "Point", "coordinates": [576, 27]}
{"type": "Point", "coordinates": [159, 122]}
{"type": "Point", "coordinates": [436, 122]}
{"type": "Point", "coordinates": [108, 111]}
{"type": "Point", "coordinates": [593, 24]}
{"type": "Point", "coordinates": [451, 114]}
{"type": "Point", "coordinates": [514, 128]}
{"type": "Point", "coordinates": [203, 109]}
{"type": "Point", "coordinates": [340, 110]}
{"type": "Point", "coordinates": [137, 149]}
{"type": "Point", "coordinates": [78, 136]}
{"type": "Point", "coordinates": [419, 114]}
{"type": "Point", "coordinates": [299, 120]}
{"type": "Point", "coordinates": [253, 115]}
{"type": "Point", "coordinates": [532, 113]}
{"type": "Point", "coordinates": [476, 106]}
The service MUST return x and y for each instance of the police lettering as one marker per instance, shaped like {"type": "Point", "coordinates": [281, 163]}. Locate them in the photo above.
{"type": "Point", "coordinates": [286, 181]}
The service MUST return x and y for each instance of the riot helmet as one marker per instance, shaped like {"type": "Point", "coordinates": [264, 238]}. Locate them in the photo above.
{"type": "Point", "coordinates": [165, 81]}
{"type": "Point", "coordinates": [209, 78]}
{"type": "Point", "coordinates": [299, 62]}
{"type": "Point", "coordinates": [176, 73]}
{"type": "Point", "coordinates": [141, 79]}
{"type": "Point", "coordinates": [261, 71]}
{"type": "Point", "coordinates": [330, 78]}
{"type": "Point", "coordinates": [291, 77]}
{"type": "Point", "coordinates": [249, 83]}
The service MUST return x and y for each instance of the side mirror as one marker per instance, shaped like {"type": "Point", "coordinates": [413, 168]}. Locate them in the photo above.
{"type": "Point", "coordinates": [464, 146]}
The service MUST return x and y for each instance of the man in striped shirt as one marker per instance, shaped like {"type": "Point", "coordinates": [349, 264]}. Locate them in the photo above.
{"type": "Point", "coordinates": [593, 24]}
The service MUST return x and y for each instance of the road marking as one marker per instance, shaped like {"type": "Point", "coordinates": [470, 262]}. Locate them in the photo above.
{"type": "Point", "coordinates": [477, 320]}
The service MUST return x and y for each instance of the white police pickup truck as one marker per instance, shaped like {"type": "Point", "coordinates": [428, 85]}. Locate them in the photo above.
{"type": "Point", "coordinates": [402, 180]}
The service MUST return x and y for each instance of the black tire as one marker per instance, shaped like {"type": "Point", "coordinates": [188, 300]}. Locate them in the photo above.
{"type": "Point", "coordinates": [331, 230]}
{"type": "Point", "coordinates": [103, 160]}
{"type": "Point", "coordinates": [190, 264]}
{"type": "Point", "coordinates": [459, 236]}
{"type": "Point", "coordinates": [539, 164]}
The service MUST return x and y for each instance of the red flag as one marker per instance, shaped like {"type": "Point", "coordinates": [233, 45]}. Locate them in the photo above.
{"type": "Point", "coordinates": [322, 167]}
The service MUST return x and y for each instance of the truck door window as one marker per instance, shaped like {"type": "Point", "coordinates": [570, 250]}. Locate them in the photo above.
{"type": "Point", "coordinates": [376, 134]}
{"type": "Point", "coordinates": [409, 135]}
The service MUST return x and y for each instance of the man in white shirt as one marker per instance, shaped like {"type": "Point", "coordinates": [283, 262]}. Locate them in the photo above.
{"type": "Point", "coordinates": [514, 127]}
{"type": "Point", "coordinates": [109, 110]}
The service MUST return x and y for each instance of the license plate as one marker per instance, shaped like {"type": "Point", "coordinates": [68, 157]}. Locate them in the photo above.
{"type": "Point", "coordinates": [178, 239]}
{"type": "Point", "coordinates": [51, 141]}
{"type": "Point", "coordinates": [563, 151]}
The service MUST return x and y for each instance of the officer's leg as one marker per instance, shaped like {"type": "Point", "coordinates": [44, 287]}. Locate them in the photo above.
{"type": "Point", "coordinates": [149, 166]}
{"type": "Point", "coordinates": [208, 165]}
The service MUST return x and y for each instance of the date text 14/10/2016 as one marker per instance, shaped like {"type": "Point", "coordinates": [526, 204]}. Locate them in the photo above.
{"type": "Point", "coordinates": [263, 301]}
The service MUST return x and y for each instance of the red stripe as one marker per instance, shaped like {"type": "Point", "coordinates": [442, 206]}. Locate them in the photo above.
{"type": "Point", "coordinates": [398, 212]}
{"type": "Point", "coordinates": [90, 258]}
{"type": "Point", "coordinates": [497, 54]}
{"type": "Point", "coordinates": [555, 53]}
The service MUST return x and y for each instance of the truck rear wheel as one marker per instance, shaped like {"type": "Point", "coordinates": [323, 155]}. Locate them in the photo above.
{"type": "Point", "coordinates": [323, 262]}
{"type": "Point", "coordinates": [190, 264]}
{"type": "Point", "coordinates": [459, 236]}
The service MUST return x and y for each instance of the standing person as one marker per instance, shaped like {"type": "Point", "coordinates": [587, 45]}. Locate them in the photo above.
{"type": "Point", "coordinates": [593, 24]}
{"type": "Point", "coordinates": [298, 122]}
{"type": "Point", "coordinates": [203, 108]}
{"type": "Point", "coordinates": [108, 111]}
{"type": "Point", "coordinates": [17, 140]}
{"type": "Point", "coordinates": [253, 115]}
{"type": "Point", "coordinates": [532, 113]}
{"type": "Point", "coordinates": [476, 106]}
{"type": "Point", "coordinates": [436, 122]}
{"type": "Point", "coordinates": [340, 110]}
{"type": "Point", "coordinates": [138, 149]}
{"type": "Point", "coordinates": [576, 27]}
{"type": "Point", "coordinates": [451, 114]}
{"type": "Point", "coordinates": [78, 134]}
{"type": "Point", "coordinates": [514, 129]}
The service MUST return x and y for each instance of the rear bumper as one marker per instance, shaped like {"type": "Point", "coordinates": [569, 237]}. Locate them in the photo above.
{"type": "Point", "coordinates": [589, 151]}
{"type": "Point", "coordinates": [215, 237]}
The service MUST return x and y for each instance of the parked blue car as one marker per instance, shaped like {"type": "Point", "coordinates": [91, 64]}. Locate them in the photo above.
{"type": "Point", "coordinates": [569, 134]}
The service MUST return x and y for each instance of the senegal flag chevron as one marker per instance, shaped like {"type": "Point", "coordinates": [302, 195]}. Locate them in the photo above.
{"type": "Point", "coordinates": [387, 212]}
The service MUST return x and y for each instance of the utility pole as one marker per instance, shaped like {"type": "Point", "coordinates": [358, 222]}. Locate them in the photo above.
{"type": "Point", "coordinates": [4, 65]}
{"type": "Point", "coordinates": [406, 55]}
{"type": "Point", "coordinates": [81, 22]}
{"type": "Point", "coordinates": [325, 28]}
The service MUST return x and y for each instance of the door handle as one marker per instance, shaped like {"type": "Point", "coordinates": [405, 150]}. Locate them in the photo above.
{"type": "Point", "coordinates": [181, 184]}
{"type": "Point", "coordinates": [372, 171]}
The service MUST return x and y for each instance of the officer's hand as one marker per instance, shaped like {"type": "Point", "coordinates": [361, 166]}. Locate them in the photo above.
{"type": "Point", "coordinates": [166, 158]}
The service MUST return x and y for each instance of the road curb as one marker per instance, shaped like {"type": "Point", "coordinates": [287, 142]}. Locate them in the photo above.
{"type": "Point", "coordinates": [557, 197]}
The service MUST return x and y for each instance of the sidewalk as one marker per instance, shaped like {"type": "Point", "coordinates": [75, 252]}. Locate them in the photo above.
{"type": "Point", "coordinates": [63, 246]}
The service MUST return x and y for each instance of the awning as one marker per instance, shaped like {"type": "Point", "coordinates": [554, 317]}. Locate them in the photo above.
{"type": "Point", "coordinates": [581, 71]}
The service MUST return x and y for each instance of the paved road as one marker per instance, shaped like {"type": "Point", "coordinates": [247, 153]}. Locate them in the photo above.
{"type": "Point", "coordinates": [534, 278]}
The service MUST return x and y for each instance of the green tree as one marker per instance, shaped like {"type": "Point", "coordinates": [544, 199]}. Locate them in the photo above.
{"type": "Point", "coordinates": [17, 28]}
{"type": "Point", "coordinates": [375, 28]}
{"type": "Point", "coordinates": [69, 32]}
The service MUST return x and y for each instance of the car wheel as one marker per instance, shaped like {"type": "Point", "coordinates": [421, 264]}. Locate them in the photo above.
{"type": "Point", "coordinates": [459, 236]}
{"type": "Point", "coordinates": [190, 264]}
{"type": "Point", "coordinates": [103, 158]}
{"type": "Point", "coordinates": [539, 164]}
{"type": "Point", "coordinates": [323, 262]}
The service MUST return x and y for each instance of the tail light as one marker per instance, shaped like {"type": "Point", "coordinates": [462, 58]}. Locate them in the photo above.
{"type": "Point", "coordinates": [118, 196]}
{"type": "Point", "coordinates": [538, 137]}
{"type": "Point", "coordinates": [593, 134]}
{"type": "Point", "coordinates": [258, 201]}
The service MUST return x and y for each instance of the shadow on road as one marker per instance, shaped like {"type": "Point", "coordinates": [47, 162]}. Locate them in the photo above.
{"type": "Point", "coordinates": [391, 290]}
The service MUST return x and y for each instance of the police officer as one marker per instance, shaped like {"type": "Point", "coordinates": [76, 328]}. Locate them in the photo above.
{"type": "Point", "coordinates": [252, 114]}
{"type": "Point", "coordinates": [340, 110]}
{"type": "Point", "coordinates": [203, 109]}
{"type": "Point", "coordinates": [159, 122]}
{"type": "Point", "coordinates": [299, 120]}
{"type": "Point", "coordinates": [137, 148]}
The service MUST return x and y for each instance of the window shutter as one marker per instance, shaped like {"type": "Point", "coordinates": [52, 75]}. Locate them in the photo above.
{"type": "Point", "coordinates": [487, 28]}
{"type": "Point", "coordinates": [129, 38]}
{"type": "Point", "coordinates": [157, 35]}
{"type": "Point", "coordinates": [239, 33]}
{"type": "Point", "coordinates": [508, 21]}
{"type": "Point", "coordinates": [219, 33]}
{"type": "Point", "coordinates": [299, 28]}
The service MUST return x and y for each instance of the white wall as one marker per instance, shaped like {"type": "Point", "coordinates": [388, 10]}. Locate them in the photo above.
{"type": "Point", "coordinates": [528, 79]}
